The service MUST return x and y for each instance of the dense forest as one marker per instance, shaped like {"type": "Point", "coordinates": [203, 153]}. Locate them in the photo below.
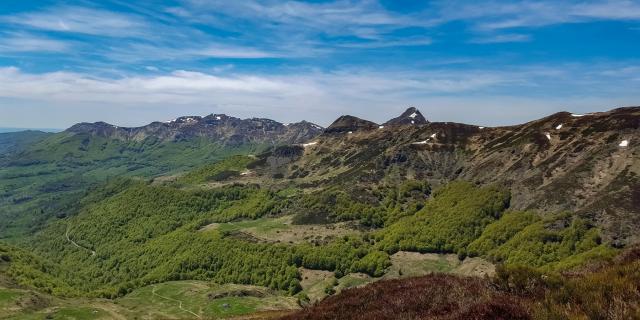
{"type": "Point", "coordinates": [129, 233]}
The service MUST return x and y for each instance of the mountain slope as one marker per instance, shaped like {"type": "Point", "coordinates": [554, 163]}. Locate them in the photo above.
{"type": "Point", "coordinates": [587, 164]}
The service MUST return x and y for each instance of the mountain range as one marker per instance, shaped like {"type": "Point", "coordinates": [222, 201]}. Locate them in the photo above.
{"type": "Point", "coordinates": [220, 216]}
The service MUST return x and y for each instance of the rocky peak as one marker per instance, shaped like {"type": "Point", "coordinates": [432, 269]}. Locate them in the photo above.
{"type": "Point", "coordinates": [219, 127]}
{"type": "Point", "coordinates": [350, 124]}
{"type": "Point", "coordinates": [410, 116]}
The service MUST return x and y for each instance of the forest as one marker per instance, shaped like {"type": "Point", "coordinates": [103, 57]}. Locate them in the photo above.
{"type": "Point", "coordinates": [129, 233]}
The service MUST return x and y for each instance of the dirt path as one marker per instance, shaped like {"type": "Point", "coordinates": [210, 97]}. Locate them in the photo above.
{"type": "Point", "coordinates": [153, 291]}
{"type": "Point", "coordinates": [66, 234]}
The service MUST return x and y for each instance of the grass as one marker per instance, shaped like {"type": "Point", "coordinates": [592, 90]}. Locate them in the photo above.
{"type": "Point", "coordinates": [413, 264]}
{"type": "Point", "coordinates": [282, 230]}
{"type": "Point", "coordinates": [209, 301]}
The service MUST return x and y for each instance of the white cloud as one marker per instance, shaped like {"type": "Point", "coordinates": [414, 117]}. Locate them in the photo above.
{"type": "Point", "coordinates": [81, 20]}
{"type": "Point", "coordinates": [496, 15]}
{"type": "Point", "coordinates": [22, 42]}
{"type": "Point", "coordinates": [502, 38]}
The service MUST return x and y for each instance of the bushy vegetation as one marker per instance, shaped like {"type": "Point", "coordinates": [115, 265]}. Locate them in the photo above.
{"type": "Point", "coordinates": [218, 171]}
{"type": "Point", "coordinates": [373, 207]}
{"type": "Point", "coordinates": [606, 290]}
{"type": "Point", "coordinates": [33, 271]}
{"type": "Point", "coordinates": [456, 216]}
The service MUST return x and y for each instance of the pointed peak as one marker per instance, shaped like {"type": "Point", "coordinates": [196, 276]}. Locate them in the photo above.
{"type": "Point", "coordinates": [410, 116]}
{"type": "Point", "coordinates": [350, 124]}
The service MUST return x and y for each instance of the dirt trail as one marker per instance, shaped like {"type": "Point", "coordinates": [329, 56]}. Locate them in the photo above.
{"type": "Point", "coordinates": [66, 234]}
{"type": "Point", "coordinates": [153, 291]}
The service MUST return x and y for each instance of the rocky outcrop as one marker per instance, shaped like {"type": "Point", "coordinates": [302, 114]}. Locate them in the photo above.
{"type": "Point", "coordinates": [411, 116]}
{"type": "Point", "coordinates": [350, 124]}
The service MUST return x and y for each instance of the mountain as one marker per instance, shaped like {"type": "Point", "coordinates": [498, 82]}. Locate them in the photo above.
{"type": "Point", "coordinates": [350, 124]}
{"type": "Point", "coordinates": [215, 127]}
{"type": "Point", "coordinates": [410, 116]}
{"type": "Point", "coordinates": [51, 171]}
{"type": "Point", "coordinates": [588, 164]}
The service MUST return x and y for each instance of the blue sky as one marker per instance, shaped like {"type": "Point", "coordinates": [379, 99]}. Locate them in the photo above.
{"type": "Point", "coordinates": [489, 63]}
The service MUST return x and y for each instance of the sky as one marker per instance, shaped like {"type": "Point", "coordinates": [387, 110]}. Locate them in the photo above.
{"type": "Point", "coordinates": [479, 62]}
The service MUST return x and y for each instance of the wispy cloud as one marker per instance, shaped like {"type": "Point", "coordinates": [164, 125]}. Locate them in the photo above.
{"type": "Point", "coordinates": [81, 20]}
{"type": "Point", "coordinates": [321, 96]}
{"type": "Point", "coordinates": [500, 14]}
{"type": "Point", "coordinates": [24, 42]}
{"type": "Point", "coordinates": [502, 38]}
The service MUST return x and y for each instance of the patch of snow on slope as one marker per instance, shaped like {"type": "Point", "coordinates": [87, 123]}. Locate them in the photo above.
{"type": "Point", "coordinates": [434, 135]}
{"type": "Point", "coordinates": [421, 142]}
{"type": "Point", "coordinates": [310, 144]}
{"type": "Point", "coordinates": [413, 115]}
{"type": "Point", "coordinates": [548, 136]}
{"type": "Point", "coordinates": [559, 127]}
{"type": "Point", "coordinates": [381, 127]}
{"type": "Point", "coordinates": [624, 143]}
{"type": "Point", "coordinates": [575, 115]}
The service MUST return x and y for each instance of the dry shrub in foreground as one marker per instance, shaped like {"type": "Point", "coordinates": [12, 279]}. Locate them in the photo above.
{"type": "Point", "coordinates": [436, 296]}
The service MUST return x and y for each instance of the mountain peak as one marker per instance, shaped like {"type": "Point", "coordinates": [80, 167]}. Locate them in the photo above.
{"type": "Point", "coordinates": [410, 116]}
{"type": "Point", "coordinates": [350, 124]}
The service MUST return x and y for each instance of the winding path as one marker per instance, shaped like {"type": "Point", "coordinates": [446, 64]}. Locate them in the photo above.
{"type": "Point", "coordinates": [174, 300]}
{"type": "Point", "coordinates": [66, 234]}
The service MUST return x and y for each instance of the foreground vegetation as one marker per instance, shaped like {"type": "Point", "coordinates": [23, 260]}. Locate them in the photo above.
{"type": "Point", "coordinates": [606, 290]}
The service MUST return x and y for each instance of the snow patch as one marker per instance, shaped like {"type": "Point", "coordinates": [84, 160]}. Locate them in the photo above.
{"type": "Point", "coordinates": [480, 128]}
{"type": "Point", "coordinates": [350, 132]}
{"type": "Point", "coordinates": [421, 142]}
{"type": "Point", "coordinates": [171, 121]}
{"type": "Point", "coordinates": [381, 127]}
{"type": "Point", "coordinates": [310, 144]}
{"type": "Point", "coordinates": [245, 173]}
{"type": "Point", "coordinates": [413, 115]}
{"type": "Point", "coordinates": [434, 135]}
{"type": "Point", "coordinates": [218, 118]}
{"type": "Point", "coordinates": [575, 115]}
{"type": "Point", "coordinates": [413, 122]}
{"type": "Point", "coordinates": [624, 143]}
{"type": "Point", "coordinates": [548, 136]}
{"type": "Point", "coordinates": [317, 126]}
{"type": "Point", "coordinates": [559, 127]}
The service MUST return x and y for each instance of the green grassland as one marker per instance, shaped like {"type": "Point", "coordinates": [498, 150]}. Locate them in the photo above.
{"type": "Point", "coordinates": [170, 300]}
